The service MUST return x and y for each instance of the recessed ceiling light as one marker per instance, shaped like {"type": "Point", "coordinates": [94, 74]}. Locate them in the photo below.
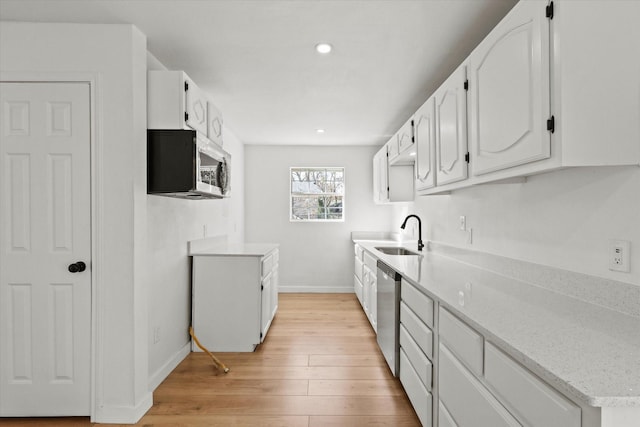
{"type": "Point", "coordinates": [323, 48]}
{"type": "Point", "coordinates": [319, 130]}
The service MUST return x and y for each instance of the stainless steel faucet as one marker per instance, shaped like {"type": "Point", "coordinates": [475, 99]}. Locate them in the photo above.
{"type": "Point", "coordinates": [420, 245]}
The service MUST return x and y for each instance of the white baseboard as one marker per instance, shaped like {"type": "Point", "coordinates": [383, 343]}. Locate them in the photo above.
{"type": "Point", "coordinates": [165, 370]}
{"type": "Point", "coordinates": [316, 289]}
{"type": "Point", "coordinates": [123, 414]}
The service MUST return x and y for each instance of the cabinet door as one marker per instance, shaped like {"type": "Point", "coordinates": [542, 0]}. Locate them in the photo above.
{"type": "Point", "coordinates": [274, 291]}
{"type": "Point", "coordinates": [380, 193]}
{"type": "Point", "coordinates": [451, 129]}
{"type": "Point", "coordinates": [509, 92]}
{"type": "Point", "coordinates": [196, 106]}
{"type": "Point", "coordinates": [405, 136]}
{"type": "Point", "coordinates": [266, 313]}
{"type": "Point", "coordinates": [425, 133]}
{"type": "Point", "coordinates": [214, 123]}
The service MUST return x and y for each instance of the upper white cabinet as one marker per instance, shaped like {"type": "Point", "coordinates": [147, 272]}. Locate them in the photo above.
{"type": "Point", "coordinates": [214, 123]}
{"type": "Point", "coordinates": [508, 75]}
{"type": "Point", "coordinates": [174, 101]}
{"type": "Point", "coordinates": [425, 133]}
{"type": "Point", "coordinates": [391, 183]}
{"type": "Point", "coordinates": [451, 129]}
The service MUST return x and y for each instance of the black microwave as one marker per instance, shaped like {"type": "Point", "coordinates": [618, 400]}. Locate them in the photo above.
{"type": "Point", "coordinates": [184, 164]}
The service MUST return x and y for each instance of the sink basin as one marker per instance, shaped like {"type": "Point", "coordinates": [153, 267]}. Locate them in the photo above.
{"type": "Point", "coordinates": [396, 251]}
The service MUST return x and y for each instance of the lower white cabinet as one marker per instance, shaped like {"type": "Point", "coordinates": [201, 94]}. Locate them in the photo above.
{"type": "Point", "coordinates": [234, 300]}
{"type": "Point", "coordinates": [370, 293]}
{"type": "Point", "coordinates": [416, 391]}
{"type": "Point", "coordinates": [468, 402]}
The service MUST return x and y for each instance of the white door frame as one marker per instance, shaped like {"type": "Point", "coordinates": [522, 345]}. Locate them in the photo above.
{"type": "Point", "coordinates": [97, 228]}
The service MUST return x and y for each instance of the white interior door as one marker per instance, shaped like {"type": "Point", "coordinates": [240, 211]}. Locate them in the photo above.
{"type": "Point", "coordinates": [45, 227]}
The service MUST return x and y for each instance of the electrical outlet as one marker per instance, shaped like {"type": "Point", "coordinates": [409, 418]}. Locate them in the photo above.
{"type": "Point", "coordinates": [156, 334]}
{"type": "Point", "coordinates": [619, 255]}
{"type": "Point", "coordinates": [463, 222]}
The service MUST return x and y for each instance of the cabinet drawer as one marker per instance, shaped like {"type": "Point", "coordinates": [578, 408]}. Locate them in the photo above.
{"type": "Point", "coordinates": [418, 395]}
{"type": "Point", "coordinates": [421, 304]}
{"type": "Point", "coordinates": [359, 251]}
{"type": "Point", "coordinates": [469, 403]}
{"type": "Point", "coordinates": [420, 333]}
{"type": "Point", "coordinates": [371, 262]}
{"type": "Point", "coordinates": [462, 340]}
{"type": "Point", "coordinates": [266, 265]}
{"type": "Point", "coordinates": [421, 363]}
{"type": "Point", "coordinates": [532, 401]}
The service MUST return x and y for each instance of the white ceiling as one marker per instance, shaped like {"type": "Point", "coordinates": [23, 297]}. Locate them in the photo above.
{"type": "Point", "coordinates": [257, 59]}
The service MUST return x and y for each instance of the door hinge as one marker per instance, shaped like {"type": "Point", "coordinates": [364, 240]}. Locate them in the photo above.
{"type": "Point", "coordinates": [551, 124]}
{"type": "Point", "coordinates": [186, 116]}
{"type": "Point", "coordinates": [549, 11]}
{"type": "Point", "coordinates": [466, 157]}
{"type": "Point", "coordinates": [186, 86]}
{"type": "Point", "coordinates": [466, 84]}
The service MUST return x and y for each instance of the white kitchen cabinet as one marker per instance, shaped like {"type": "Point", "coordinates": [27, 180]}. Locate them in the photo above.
{"type": "Point", "coordinates": [405, 142]}
{"type": "Point", "coordinates": [451, 129]}
{"type": "Point", "coordinates": [508, 75]}
{"type": "Point", "coordinates": [371, 289]}
{"type": "Point", "coordinates": [418, 395]}
{"type": "Point", "coordinates": [358, 273]}
{"type": "Point", "coordinates": [174, 101]}
{"type": "Point", "coordinates": [234, 299]}
{"type": "Point", "coordinates": [391, 183]}
{"type": "Point", "coordinates": [425, 134]}
{"type": "Point", "coordinates": [468, 402]}
{"type": "Point", "coordinates": [214, 123]}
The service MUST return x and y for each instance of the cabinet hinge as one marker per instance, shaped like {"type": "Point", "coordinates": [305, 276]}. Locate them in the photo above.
{"type": "Point", "coordinates": [549, 10]}
{"type": "Point", "coordinates": [260, 335]}
{"type": "Point", "coordinates": [413, 139]}
{"type": "Point", "coordinates": [262, 287]}
{"type": "Point", "coordinates": [186, 116]}
{"type": "Point", "coordinates": [387, 189]}
{"type": "Point", "coordinates": [412, 123]}
{"type": "Point", "coordinates": [466, 85]}
{"type": "Point", "coordinates": [186, 86]}
{"type": "Point", "coordinates": [466, 157]}
{"type": "Point", "coordinates": [551, 124]}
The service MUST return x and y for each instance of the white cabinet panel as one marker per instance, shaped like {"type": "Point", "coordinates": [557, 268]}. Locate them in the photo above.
{"type": "Point", "coordinates": [418, 302]}
{"type": "Point", "coordinates": [421, 363]}
{"type": "Point", "coordinates": [425, 134]}
{"type": "Point", "coordinates": [466, 343]}
{"type": "Point", "coordinates": [509, 92]}
{"type": "Point", "coordinates": [468, 402]}
{"type": "Point", "coordinates": [534, 402]}
{"type": "Point", "coordinates": [214, 123]}
{"type": "Point", "coordinates": [451, 129]}
{"type": "Point", "coordinates": [418, 395]}
{"type": "Point", "coordinates": [418, 330]}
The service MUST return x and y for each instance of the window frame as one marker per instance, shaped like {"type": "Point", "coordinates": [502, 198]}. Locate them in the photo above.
{"type": "Point", "coordinates": [292, 194]}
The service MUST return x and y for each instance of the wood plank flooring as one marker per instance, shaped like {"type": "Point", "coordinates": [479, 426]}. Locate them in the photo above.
{"type": "Point", "coordinates": [319, 366]}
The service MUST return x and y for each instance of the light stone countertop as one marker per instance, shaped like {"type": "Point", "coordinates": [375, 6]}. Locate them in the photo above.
{"type": "Point", "coordinates": [589, 352]}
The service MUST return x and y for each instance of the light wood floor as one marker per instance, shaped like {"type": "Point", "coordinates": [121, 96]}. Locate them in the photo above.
{"type": "Point", "coordinates": [319, 366]}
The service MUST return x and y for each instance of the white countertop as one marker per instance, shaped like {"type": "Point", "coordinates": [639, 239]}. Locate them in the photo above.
{"type": "Point", "coordinates": [216, 248]}
{"type": "Point", "coordinates": [589, 352]}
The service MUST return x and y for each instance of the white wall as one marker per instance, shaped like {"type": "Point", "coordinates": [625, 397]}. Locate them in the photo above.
{"type": "Point", "coordinates": [562, 219]}
{"type": "Point", "coordinates": [114, 57]}
{"type": "Point", "coordinates": [314, 257]}
{"type": "Point", "coordinates": [170, 224]}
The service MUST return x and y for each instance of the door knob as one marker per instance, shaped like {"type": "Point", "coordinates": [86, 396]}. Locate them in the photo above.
{"type": "Point", "coordinates": [77, 267]}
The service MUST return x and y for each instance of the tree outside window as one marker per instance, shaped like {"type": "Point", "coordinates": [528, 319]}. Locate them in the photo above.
{"type": "Point", "coordinates": [317, 194]}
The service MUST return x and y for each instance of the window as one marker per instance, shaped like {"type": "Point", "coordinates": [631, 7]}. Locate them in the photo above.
{"type": "Point", "coordinates": [317, 194]}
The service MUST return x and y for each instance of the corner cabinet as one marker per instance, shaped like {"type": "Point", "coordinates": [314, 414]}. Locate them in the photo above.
{"type": "Point", "coordinates": [234, 299]}
{"type": "Point", "coordinates": [391, 183]}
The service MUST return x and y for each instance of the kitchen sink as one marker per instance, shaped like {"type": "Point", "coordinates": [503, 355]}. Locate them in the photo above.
{"type": "Point", "coordinates": [390, 250]}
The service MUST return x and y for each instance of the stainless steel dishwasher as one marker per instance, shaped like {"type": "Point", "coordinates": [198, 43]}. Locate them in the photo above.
{"type": "Point", "coordinates": [388, 305]}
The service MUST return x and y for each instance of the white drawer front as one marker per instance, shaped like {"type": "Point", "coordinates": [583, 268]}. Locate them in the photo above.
{"type": "Point", "coordinates": [421, 334]}
{"type": "Point", "coordinates": [421, 304]}
{"type": "Point", "coordinates": [534, 402]}
{"type": "Point", "coordinates": [359, 251]}
{"type": "Point", "coordinates": [370, 261]}
{"type": "Point", "coordinates": [421, 364]}
{"type": "Point", "coordinates": [267, 265]}
{"type": "Point", "coordinates": [468, 402]}
{"type": "Point", "coordinates": [418, 395]}
{"type": "Point", "coordinates": [466, 343]}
